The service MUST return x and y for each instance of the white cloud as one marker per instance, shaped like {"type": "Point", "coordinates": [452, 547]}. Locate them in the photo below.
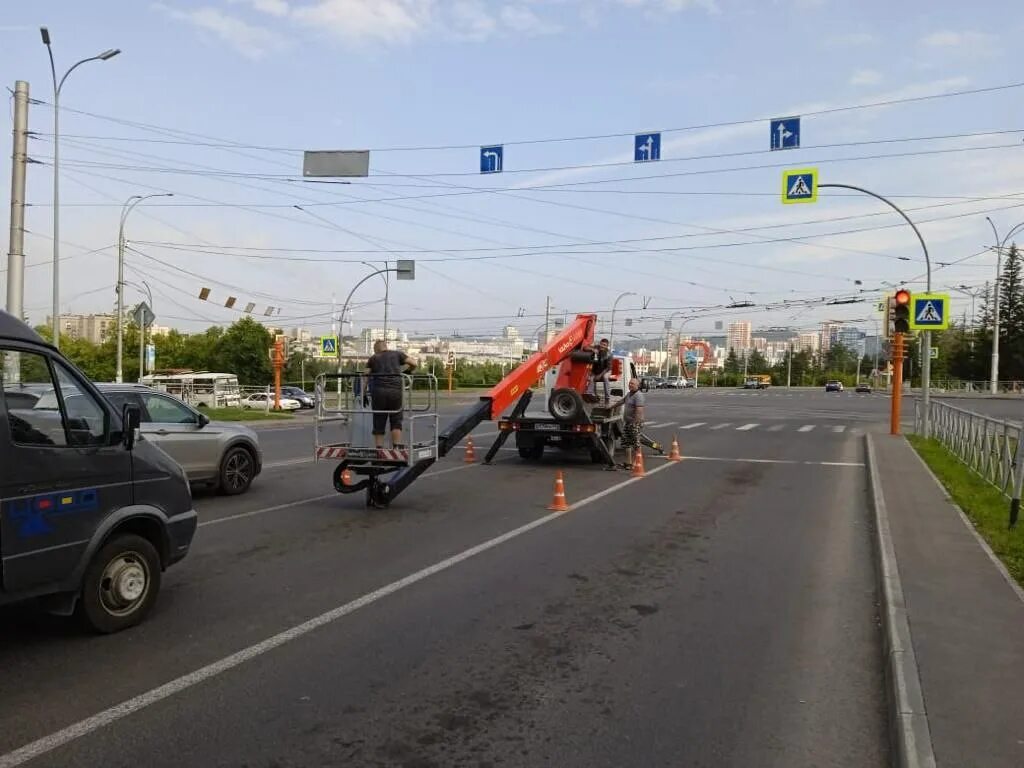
{"type": "Point", "coordinates": [672, 6]}
{"type": "Point", "coordinates": [521, 19]}
{"type": "Point", "coordinates": [277, 8]}
{"type": "Point", "coordinates": [251, 41]}
{"type": "Point", "coordinates": [389, 21]}
{"type": "Point", "coordinates": [968, 42]}
{"type": "Point", "coordinates": [471, 20]}
{"type": "Point", "coordinates": [865, 77]}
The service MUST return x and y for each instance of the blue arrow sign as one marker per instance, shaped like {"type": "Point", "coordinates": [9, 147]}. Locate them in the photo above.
{"type": "Point", "coordinates": [646, 147]}
{"type": "Point", "coordinates": [491, 159]}
{"type": "Point", "coordinates": [785, 133]}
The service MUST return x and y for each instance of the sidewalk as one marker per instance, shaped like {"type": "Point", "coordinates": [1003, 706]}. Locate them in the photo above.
{"type": "Point", "coordinates": [966, 621]}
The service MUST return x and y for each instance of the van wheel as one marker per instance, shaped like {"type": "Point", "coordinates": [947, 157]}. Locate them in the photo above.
{"type": "Point", "coordinates": [120, 585]}
{"type": "Point", "coordinates": [237, 470]}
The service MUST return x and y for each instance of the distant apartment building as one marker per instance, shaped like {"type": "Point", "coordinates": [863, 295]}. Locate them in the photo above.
{"type": "Point", "coordinates": [809, 342]}
{"type": "Point", "coordinates": [738, 336]}
{"type": "Point", "coordinates": [852, 339]}
{"type": "Point", "coordinates": [829, 332]}
{"type": "Point", "coordinates": [94, 328]}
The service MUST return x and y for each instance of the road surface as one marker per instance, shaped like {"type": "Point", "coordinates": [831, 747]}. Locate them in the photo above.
{"type": "Point", "coordinates": [719, 612]}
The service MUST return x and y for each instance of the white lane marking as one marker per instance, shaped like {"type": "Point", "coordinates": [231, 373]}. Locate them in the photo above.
{"type": "Point", "coordinates": [695, 424]}
{"type": "Point", "coordinates": [665, 424]}
{"type": "Point", "coordinates": [806, 428]}
{"type": "Point", "coordinates": [776, 427]}
{"type": "Point", "coordinates": [746, 427]}
{"type": "Point", "coordinates": [287, 463]}
{"type": "Point", "coordinates": [722, 426]}
{"type": "Point", "coordinates": [109, 716]}
{"type": "Point", "coordinates": [290, 504]}
{"type": "Point", "coordinates": [770, 461]}
{"type": "Point", "coordinates": [839, 428]}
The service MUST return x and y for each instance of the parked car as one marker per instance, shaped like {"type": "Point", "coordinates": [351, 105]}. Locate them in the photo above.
{"type": "Point", "coordinates": [261, 401]}
{"type": "Point", "coordinates": [305, 399]}
{"type": "Point", "coordinates": [833, 386]}
{"type": "Point", "coordinates": [863, 389]}
{"type": "Point", "coordinates": [221, 454]}
{"type": "Point", "coordinates": [672, 384]}
{"type": "Point", "coordinates": [91, 516]}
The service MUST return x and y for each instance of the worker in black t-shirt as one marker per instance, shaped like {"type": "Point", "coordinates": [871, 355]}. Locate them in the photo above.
{"type": "Point", "coordinates": [385, 388]}
{"type": "Point", "coordinates": [601, 367]}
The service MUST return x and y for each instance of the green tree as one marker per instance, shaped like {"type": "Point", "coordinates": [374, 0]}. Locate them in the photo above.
{"type": "Point", "coordinates": [243, 350]}
{"type": "Point", "coordinates": [756, 363]}
{"type": "Point", "coordinates": [1011, 317]}
{"type": "Point", "coordinates": [732, 362]}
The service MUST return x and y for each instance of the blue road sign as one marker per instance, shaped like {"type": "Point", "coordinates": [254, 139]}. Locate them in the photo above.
{"type": "Point", "coordinates": [785, 133]}
{"type": "Point", "coordinates": [646, 147]}
{"type": "Point", "coordinates": [929, 311]}
{"type": "Point", "coordinates": [800, 186]}
{"type": "Point", "coordinates": [491, 159]}
{"type": "Point", "coordinates": [328, 346]}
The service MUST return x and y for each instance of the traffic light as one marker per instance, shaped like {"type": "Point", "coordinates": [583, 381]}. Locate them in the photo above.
{"type": "Point", "coordinates": [901, 311]}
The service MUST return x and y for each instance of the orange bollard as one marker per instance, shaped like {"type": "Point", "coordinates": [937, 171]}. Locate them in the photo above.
{"type": "Point", "coordinates": [638, 464]}
{"type": "Point", "coordinates": [470, 457]}
{"type": "Point", "coordinates": [558, 503]}
{"type": "Point", "coordinates": [674, 454]}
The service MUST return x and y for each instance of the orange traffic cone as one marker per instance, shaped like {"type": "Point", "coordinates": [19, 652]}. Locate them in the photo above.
{"type": "Point", "coordinates": [470, 457]}
{"type": "Point", "coordinates": [346, 476]}
{"type": "Point", "coordinates": [558, 503]}
{"type": "Point", "coordinates": [673, 454]}
{"type": "Point", "coordinates": [638, 464]}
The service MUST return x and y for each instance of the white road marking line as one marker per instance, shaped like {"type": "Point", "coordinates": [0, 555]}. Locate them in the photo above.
{"type": "Point", "coordinates": [722, 426]}
{"type": "Point", "coordinates": [287, 463]}
{"type": "Point", "coordinates": [665, 424]}
{"type": "Point", "coordinates": [765, 461]}
{"type": "Point", "coordinates": [776, 427]}
{"type": "Point", "coordinates": [109, 716]}
{"type": "Point", "coordinates": [309, 500]}
{"type": "Point", "coordinates": [806, 428]}
{"type": "Point", "coordinates": [746, 427]}
{"type": "Point", "coordinates": [839, 428]}
{"type": "Point", "coordinates": [694, 425]}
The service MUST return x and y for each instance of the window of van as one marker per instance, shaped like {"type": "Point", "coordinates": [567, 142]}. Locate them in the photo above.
{"type": "Point", "coordinates": [34, 395]}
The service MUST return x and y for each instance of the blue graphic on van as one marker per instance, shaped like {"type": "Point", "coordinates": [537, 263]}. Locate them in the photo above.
{"type": "Point", "coordinates": [34, 514]}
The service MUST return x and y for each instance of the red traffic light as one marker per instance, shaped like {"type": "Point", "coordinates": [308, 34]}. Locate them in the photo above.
{"type": "Point", "coordinates": [902, 297]}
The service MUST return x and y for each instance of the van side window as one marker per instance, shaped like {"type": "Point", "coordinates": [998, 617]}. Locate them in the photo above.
{"type": "Point", "coordinates": [86, 419]}
{"type": "Point", "coordinates": [33, 413]}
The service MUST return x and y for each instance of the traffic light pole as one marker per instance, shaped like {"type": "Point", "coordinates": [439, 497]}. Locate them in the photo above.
{"type": "Point", "coordinates": [897, 383]}
{"type": "Point", "coordinates": [926, 336]}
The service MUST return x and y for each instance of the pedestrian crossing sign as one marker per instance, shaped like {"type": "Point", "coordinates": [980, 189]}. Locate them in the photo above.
{"type": "Point", "coordinates": [800, 186]}
{"type": "Point", "coordinates": [328, 346]}
{"type": "Point", "coordinates": [930, 312]}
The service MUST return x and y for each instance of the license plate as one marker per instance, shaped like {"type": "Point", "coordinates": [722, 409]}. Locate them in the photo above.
{"type": "Point", "coordinates": [546, 427]}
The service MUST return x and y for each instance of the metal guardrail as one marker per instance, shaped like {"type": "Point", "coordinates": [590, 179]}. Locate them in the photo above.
{"type": "Point", "coordinates": [986, 445]}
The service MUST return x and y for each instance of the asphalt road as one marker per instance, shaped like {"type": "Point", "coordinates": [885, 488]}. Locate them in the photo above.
{"type": "Point", "coordinates": [719, 612]}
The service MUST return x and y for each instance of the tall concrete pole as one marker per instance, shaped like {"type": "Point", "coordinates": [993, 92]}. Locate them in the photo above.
{"type": "Point", "coordinates": [19, 160]}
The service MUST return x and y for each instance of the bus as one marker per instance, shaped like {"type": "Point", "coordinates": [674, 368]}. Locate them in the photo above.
{"type": "Point", "coordinates": [201, 389]}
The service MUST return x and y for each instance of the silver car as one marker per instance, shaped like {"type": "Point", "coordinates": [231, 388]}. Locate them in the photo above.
{"type": "Point", "coordinates": [222, 454]}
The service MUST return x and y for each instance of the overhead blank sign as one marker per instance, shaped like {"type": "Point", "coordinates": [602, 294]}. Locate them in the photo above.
{"type": "Point", "coordinates": [334, 163]}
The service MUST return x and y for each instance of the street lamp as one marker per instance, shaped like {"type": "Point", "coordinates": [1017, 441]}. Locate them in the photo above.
{"type": "Point", "coordinates": [926, 336]}
{"type": "Point", "coordinates": [127, 208]}
{"type": "Point", "coordinates": [611, 334]}
{"type": "Point", "coordinates": [57, 86]}
{"type": "Point", "coordinates": [966, 290]}
{"type": "Point", "coordinates": [994, 373]}
{"type": "Point", "coordinates": [404, 268]}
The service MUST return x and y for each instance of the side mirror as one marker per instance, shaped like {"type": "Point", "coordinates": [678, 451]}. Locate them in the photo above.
{"type": "Point", "coordinates": [645, 385]}
{"type": "Point", "coordinates": [131, 419]}
{"type": "Point", "coordinates": [203, 420]}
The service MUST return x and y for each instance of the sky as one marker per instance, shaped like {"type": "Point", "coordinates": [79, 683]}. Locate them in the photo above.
{"type": "Point", "coordinates": [214, 101]}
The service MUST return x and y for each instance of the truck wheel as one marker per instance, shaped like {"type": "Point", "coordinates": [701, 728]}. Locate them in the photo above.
{"type": "Point", "coordinates": [237, 470]}
{"type": "Point", "coordinates": [565, 404]}
{"type": "Point", "coordinates": [120, 585]}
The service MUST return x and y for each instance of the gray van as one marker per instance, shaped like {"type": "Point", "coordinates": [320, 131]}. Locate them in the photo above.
{"type": "Point", "coordinates": [90, 516]}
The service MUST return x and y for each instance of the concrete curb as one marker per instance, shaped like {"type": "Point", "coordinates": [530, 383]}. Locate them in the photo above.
{"type": "Point", "coordinates": [908, 720]}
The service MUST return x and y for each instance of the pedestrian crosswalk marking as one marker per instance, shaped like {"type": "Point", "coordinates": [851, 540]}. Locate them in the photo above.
{"type": "Point", "coordinates": [806, 428]}
{"type": "Point", "coordinates": [782, 426]}
{"type": "Point", "coordinates": [776, 427]}
{"type": "Point", "coordinates": [745, 427]}
{"type": "Point", "coordinates": [839, 428]}
{"type": "Point", "coordinates": [666, 424]}
{"type": "Point", "coordinates": [722, 426]}
{"type": "Point", "coordinates": [695, 424]}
